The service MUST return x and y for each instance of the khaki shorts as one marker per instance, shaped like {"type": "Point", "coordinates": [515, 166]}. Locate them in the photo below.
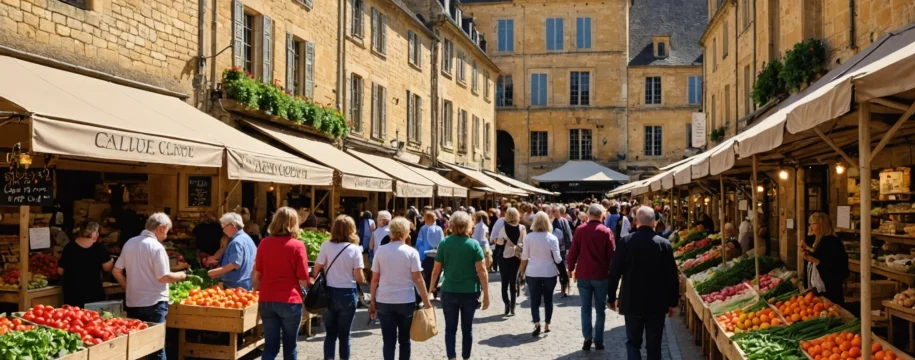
{"type": "Point", "coordinates": [487, 253]}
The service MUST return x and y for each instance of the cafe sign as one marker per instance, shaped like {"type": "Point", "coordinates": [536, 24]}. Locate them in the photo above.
{"type": "Point", "coordinates": [363, 183]}
{"type": "Point", "coordinates": [253, 167]}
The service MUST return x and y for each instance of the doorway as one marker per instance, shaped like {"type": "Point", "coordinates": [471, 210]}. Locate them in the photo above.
{"type": "Point", "coordinates": [505, 153]}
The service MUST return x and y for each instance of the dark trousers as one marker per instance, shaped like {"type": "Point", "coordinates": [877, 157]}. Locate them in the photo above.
{"type": "Point", "coordinates": [509, 271]}
{"type": "Point", "coordinates": [395, 328]}
{"type": "Point", "coordinates": [154, 314]}
{"type": "Point", "coordinates": [459, 306]}
{"type": "Point", "coordinates": [428, 266]}
{"type": "Point", "coordinates": [338, 321]}
{"type": "Point", "coordinates": [541, 289]}
{"type": "Point", "coordinates": [653, 327]}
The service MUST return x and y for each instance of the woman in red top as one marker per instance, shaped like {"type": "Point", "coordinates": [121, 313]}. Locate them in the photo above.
{"type": "Point", "coordinates": [280, 271]}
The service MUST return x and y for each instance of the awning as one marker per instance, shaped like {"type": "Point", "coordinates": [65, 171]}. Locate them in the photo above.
{"type": "Point", "coordinates": [354, 174]}
{"type": "Point", "coordinates": [627, 188]}
{"type": "Point", "coordinates": [492, 184]}
{"type": "Point", "coordinates": [581, 171]}
{"type": "Point", "coordinates": [445, 187]}
{"type": "Point", "coordinates": [409, 183]}
{"type": "Point", "coordinates": [518, 184]}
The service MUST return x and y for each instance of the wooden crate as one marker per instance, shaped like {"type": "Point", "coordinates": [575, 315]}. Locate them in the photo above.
{"type": "Point", "coordinates": [79, 355]}
{"type": "Point", "coordinates": [193, 317]}
{"type": "Point", "coordinates": [114, 349]}
{"type": "Point", "coordinates": [145, 342]}
{"type": "Point", "coordinates": [232, 351]}
{"type": "Point", "coordinates": [886, 346]}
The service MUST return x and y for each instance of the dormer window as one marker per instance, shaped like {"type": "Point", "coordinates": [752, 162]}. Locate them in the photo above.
{"type": "Point", "coordinates": [662, 49]}
{"type": "Point", "coordinates": [661, 46]}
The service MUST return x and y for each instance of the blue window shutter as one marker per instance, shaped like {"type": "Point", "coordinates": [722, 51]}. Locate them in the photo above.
{"type": "Point", "coordinates": [587, 33]}
{"type": "Point", "coordinates": [559, 36]}
{"type": "Point", "coordinates": [549, 34]}
{"type": "Point", "coordinates": [510, 38]}
{"type": "Point", "coordinates": [534, 90]}
{"type": "Point", "coordinates": [579, 33]}
{"type": "Point", "coordinates": [543, 89]}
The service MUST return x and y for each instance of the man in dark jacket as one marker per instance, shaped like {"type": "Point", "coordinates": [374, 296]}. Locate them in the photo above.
{"type": "Point", "coordinates": [650, 289]}
{"type": "Point", "coordinates": [590, 257]}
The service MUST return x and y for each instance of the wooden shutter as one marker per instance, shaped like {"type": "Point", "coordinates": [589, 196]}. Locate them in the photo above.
{"type": "Point", "coordinates": [383, 38]}
{"type": "Point", "coordinates": [352, 96]}
{"type": "Point", "coordinates": [238, 31]}
{"type": "Point", "coordinates": [382, 97]}
{"type": "Point", "coordinates": [412, 50]}
{"type": "Point", "coordinates": [290, 62]}
{"type": "Point", "coordinates": [418, 105]}
{"type": "Point", "coordinates": [411, 120]}
{"type": "Point", "coordinates": [376, 117]}
{"type": "Point", "coordinates": [375, 35]}
{"type": "Point", "coordinates": [267, 48]}
{"type": "Point", "coordinates": [310, 70]}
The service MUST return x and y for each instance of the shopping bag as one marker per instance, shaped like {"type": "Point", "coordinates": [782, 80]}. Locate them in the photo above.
{"type": "Point", "coordinates": [424, 325]}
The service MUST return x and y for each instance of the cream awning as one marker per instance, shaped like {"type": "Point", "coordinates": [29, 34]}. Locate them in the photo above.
{"type": "Point", "coordinates": [354, 175]}
{"type": "Point", "coordinates": [409, 183]}
{"type": "Point", "coordinates": [518, 184]}
{"type": "Point", "coordinates": [627, 188]}
{"type": "Point", "coordinates": [445, 187]}
{"type": "Point", "coordinates": [488, 182]}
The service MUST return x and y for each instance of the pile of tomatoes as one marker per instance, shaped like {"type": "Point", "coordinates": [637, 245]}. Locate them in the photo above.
{"type": "Point", "coordinates": [841, 346]}
{"type": "Point", "coordinates": [44, 264]}
{"type": "Point", "coordinates": [801, 308]}
{"type": "Point", "coordinates": [215, 297]}
{"type": "Point", "coordinates": [7, 325]}
{"type": "Point", "coordinates": [91, 327]}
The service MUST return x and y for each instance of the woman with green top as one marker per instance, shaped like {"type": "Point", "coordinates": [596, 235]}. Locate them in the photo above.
{"type": "Point", "coordinates": [462, 259]}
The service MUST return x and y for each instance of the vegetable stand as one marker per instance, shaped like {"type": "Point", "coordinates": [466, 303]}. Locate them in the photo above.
{"type": "Point", "coordinates": [234, 323]}
{"type": "Point", "coordinates": [894, 310]}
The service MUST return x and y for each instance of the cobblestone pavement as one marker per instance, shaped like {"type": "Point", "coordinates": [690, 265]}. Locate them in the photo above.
{"type": "Point", "coordinates": [500, 337]}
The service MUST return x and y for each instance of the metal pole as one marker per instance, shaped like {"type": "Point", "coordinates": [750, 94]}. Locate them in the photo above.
{"type": "Point", "coordinates": [24, 303]}
{"type": "Point", "coordinates": [724, 241]}
{"type": "Point", "coordinates": [864, 156]}
{"type": "Point", "coordinates": [753, 196]}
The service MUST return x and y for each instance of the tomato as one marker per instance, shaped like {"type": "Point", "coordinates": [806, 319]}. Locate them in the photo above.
{"type": "Point", "coordinates": [29, 316]}
{"type": "Point", "coordinates": [39, 320]}
{"type": "Point", "coordinates": [17, 322]}
{"type": "Point", "coordinates": [39, 312]}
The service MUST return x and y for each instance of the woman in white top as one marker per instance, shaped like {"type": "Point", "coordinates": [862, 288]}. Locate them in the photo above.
{"type": "Point", "coordinates": [538, 262]}
{"type": "Point", "coordinates": [341, 260]}
{"type": "Point", "coordinates": [397, 278]}
{"type": "Point", "coordinates": [511, 235]}
{"type": "Point", "coordinates": [481, 235]}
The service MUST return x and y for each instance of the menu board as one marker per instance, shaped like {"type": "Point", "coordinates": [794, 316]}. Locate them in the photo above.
{"type": "Point", "coordinates": [28, 187]}
{"type": "Point", "coordinates": [199, 191]}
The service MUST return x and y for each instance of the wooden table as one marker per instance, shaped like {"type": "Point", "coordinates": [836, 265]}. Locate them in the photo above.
{"type": "Point", "coordinates": [900, 276]}
{"type": "Point", "coordinates": [902, 312]}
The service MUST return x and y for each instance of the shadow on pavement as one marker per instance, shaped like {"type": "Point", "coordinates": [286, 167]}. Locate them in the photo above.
{"type": "Point", "coordinates": [509, 340]}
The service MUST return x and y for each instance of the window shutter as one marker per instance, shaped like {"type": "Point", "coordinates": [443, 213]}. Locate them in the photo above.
{"type": "Point", "coordinates": [412, 50]}
{"type": "Point", "coordinates": [290, 62]}
{"type": "Point", "coordinates": [238, 31]}
{"type": "Point", "coordinates": [383, 29]}
{"type": "Point", "coordinates": [375, 35]}
{"type": "Point", "coordinates": [382, 97]}
{"type": "Point", "coordinates": [268, 50]}
{"type": "Point", "coordinates": [352, 19]}
{"type": "Point", "coordinates": [411, 120]}
{"type": "Point", "coordinates": [419, 119]}
{"type": "Point", "coordinates": [310, 3]}
{"type": "Point", "coordinates": [310, 70]}
{"type": "Point", "coordinates": [352, 97]}
{"type": "Point", "coordinates": [559, 36]}
{"type": "Point", "coordinates": [549, 34]}
{"type": "Point", "coordinates": [579, 33]}
{"type": "Point", "coordinates": [375, 115]}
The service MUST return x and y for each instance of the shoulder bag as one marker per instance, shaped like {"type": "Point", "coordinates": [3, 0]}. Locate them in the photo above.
{"type": "Point", "coordinates": [318, 298]}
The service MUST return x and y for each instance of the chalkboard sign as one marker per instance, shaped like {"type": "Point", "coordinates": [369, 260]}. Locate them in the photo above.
{"type": "Point", "coordinates": [28, 187]}
{"type": "Point", "coordinates": [199, 191]}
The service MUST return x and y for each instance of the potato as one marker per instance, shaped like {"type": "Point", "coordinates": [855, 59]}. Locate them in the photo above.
{"type": "Point", "coordinates": [908, 302]}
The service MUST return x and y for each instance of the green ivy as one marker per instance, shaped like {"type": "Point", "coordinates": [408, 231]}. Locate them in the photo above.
{"type": "Point", "coordinates": [273, 100]}
{"type": "Point", "coordinates": [803, 63]}
{"type": "Point", "coordinates": [769, 83]}
{"type": "Point", "coordinates": [716, 134]}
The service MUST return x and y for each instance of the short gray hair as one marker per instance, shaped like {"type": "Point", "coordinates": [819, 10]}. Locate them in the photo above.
{"type": "Point", "coordinates": [596, 210]}
{"type": "Point", "coordinates": [384, 215]}
{"type": "Point", "coordinates": [460, 223]}
{"type": "Point", "coordinates": [645, 215]}
{"type": "Point", "coordinates": [562, 209]}
{"type": "Point", "coordinates": [158, 219]}
{"type": "Point", "coordinates": [232, 218]}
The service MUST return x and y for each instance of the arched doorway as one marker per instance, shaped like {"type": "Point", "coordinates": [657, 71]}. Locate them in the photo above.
{"type": "Point", "coordinates": [505, 153]}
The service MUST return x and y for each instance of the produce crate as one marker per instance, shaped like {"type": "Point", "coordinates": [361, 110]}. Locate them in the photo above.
{"type": "Point", "coordinates": [192, 317]}
{"type": "Point", "coordinates": [79, 355]}
{"type": "Point", "coordinates": [110, 350]}
{"type": "Point", "coordinates": [877, 340]}
{"type": "Point", "coordinates": [145, 342]}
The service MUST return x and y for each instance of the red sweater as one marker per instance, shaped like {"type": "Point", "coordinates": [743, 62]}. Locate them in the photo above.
{"type": "Point", "coordinates": [282, 262]}
{"type": "Point", "coordinates": [592, 250]}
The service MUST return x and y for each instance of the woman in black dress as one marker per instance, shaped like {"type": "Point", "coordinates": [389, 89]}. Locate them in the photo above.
{"type": "Point", "coordinates": [81, 266]}
{"type": "Point", "coordinates": [826, 258]}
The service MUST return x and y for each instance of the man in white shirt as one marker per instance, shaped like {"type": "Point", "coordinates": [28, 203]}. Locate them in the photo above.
{"type": "Point", "coordinates": [384, 219]}
{"type": "Point", "coordinates": [146, 263]}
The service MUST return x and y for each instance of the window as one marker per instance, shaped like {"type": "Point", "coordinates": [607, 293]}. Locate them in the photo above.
{"type": "Point", "coordinates": [712, 113]}
{"type": "Point", "coordinates": [486, 138]}
{"type": "Point", "coordinates": [747, 89]}
{"type": "Point", "coordinates": [476, 132]}
{"type": "Point", "coordinates": [583, 33]}
{"type": "Point", "coordinates": [308, 3]}
{"type": "Point", "coordinates": [580, 88]}
{"type": "Point", "coordinates": [248, 44]}
{"type": "Point", "coordinates": [416, 49]}
{"type": "Point", "coordinates": [414, 118]}
{"type": "Point", "coordinates": [462, 131]}
{"type": "Point", "coordinates": [447, 123]}
{"type": "Point", "coordinates": [78, 3]}
{"type": "Point", "coordinates": [475, 81]}
{"type": "Point", "coordinates": [460, 66]}
{"type": "Point", "coordinates": [538, 89]}
{"type": "Point", "coordinates": [653, 90]}
{"type": "Point", "coordinates": [714, 54]}
{"type": "Point", "coordinates": [580, 144]}
{"type": "Point", "coordinates": [724, 40]}
{"type": "Point", "coordinates": [486, 85]}
{"type": "Point", "coordinates": [504, 91]}
{"type": "Point", "coordinates": [300, 69]}
{"type": "Point", "coordinates": [357, 28]}
{"type": "Point", "coordinates": [506, 29]}
{"type": "Point", "coordinates": [745, 7]}
{"type": "Point", "coordinates": [379, 30]}
{"type": "Point", "coordinates": [554, 34]}
{"type": "Point", "coordinates": [653, 141]}
{"type": "Point", "coordinates": [379, 111]}
{"type": "Point", "coordinates": [355, 102]}
{"type": "Point", "coordinates": [689, 136]}
{"type": "Point", "coordinates": [539, 143]}
{"type": "Point", "coordinates": [662, 49]}
{"type": "Point", "coordinates": [447, 56]}
{"type": "Point", "coordinates": [695, 90]}
{"type": "Point", "coordinates": [726, 103]}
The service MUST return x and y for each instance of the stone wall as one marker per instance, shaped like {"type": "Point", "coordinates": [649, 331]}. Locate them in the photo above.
{"type": "Point", "coordinates": [673, 115]}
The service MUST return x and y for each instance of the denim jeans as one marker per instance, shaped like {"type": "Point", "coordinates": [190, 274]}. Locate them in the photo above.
{"type": "Point", "coordinates": [593, 292]}
{"type": "Point", "coordinates": [338, 321]}
{"type": "Point", "coordinates": [280, 319]}
{"type": "Point", "coordinates": [653, 327]}
{"type": "Point", "coordinates": [541, 289]}
{"type": "Point", "coordinates": [457, 306]}
{"type": "Point", "coordinates": [396, 320]}
{"type": "Point", "coordinates": [154, 314]}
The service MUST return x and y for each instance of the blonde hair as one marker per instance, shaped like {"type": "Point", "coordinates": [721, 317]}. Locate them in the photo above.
{"type": "Point", "coordinates": [542, 223]}
{"type": "Point", "coordinates": [825, 224]}
{"type": "Point", "coordinates": [512, 217]}
{"type": "Point", "coordinates": [400, 229]}
{"type": "Point", "coordinates": [285, 222]}
{"type": "Point", "coordinates": [481, 216]}
{"type": "Point", "coordinates": [344, 230]}
{"type": "Point", "coordinates": [429, 215]}
{"type": "Point", "coordinates": [460, 223]}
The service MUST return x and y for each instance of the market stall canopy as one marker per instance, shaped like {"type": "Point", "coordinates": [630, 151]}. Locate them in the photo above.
{"type": "Point", "coordinates": [575, 170]}
{"type": "Point", "coordinates": [641, 187]}
{"type": "Point", "coordinates": [492, 184]}
{"type": "Point", "coordinates": [518, 184]}
{"type": "Point", "coordinates": [354, 174]}
{"type": "Point", "coordinates": [445, 186]}
{"type": "Point", "coordinates": [77, 115]}
{"type": "Point", "coordinates": [623, 189]}
{"type": "Point", "coordinates": [409, 183]}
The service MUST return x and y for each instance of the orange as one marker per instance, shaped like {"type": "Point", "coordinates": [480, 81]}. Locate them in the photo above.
{"type": "Point", "coordinates": [880, 355]}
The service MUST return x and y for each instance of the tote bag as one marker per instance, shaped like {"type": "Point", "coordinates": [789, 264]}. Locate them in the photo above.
{"type": "Point", "coordinates": [318, 297]}
{"type": "Point", "coordinates": [424, 326]}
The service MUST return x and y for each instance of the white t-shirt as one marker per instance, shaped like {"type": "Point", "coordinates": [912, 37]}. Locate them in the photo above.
{"type": "Point", "coordinates": [479, 234]}
{"type": "Point", "coordinates": [379, 235]}
{"type": "Point", "coordinates": [496, 229]}
{"type": "Point", "coordinates": [396, 262]}
{"type": "Point", "coordinates": [626, 227]}
{"type": "Point", "coordinates": [145, 261]}
{"type": "Point", "coordinates": [341, 274]}
{"type": "Point", "coordinates": [541, 250]}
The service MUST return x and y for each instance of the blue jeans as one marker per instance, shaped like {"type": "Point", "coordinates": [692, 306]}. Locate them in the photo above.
{"type": "Point", "coordinates": [154, 314]}
{"type": "Point", "coordinates": [596, 291]}
{"type": "Point", "coordinates": [653, 327]}
{"type": "Point", "coordinates": [541, 289]}
{"type": "Point", "coordinates": [338, 321]}
{"type": "Point", "coordinates": [459, 306]}
{"type": "Point", "coordinates": [280, 319]}
{"type": "Point", "coordinates": [395, 328]}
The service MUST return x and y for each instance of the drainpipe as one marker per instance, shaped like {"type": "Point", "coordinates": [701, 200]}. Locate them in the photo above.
{"type": "Point", "coordinates": [851, 25]}
{"type": "Point", "coordinates": [436, 44]}
{"type": "Point", "coordinates": [199, 83]}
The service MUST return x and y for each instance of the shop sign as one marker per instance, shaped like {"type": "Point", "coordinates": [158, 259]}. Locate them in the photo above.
{"type": "Point", "coordinates": [412, 190]}
{"type": "Point", "coordinates": [199, 191]}
{"type": "Point", "coordinates": [893, 182]}
{"type": "Point", "coordinates": [698, 129]}
{"type": "Point", "coordinates": [28, 187]}
{"type": "Point", "coordinates": [365, 183]}
{"type": "Point", "coordinates": [265, 166]}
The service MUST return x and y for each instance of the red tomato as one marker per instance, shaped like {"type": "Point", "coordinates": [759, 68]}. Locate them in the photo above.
{"type": "Point", "coordinates": [39, 312]}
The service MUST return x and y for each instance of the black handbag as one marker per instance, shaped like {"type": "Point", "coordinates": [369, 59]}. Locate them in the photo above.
{"type": "Point", "coordinates": [317, 300]}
